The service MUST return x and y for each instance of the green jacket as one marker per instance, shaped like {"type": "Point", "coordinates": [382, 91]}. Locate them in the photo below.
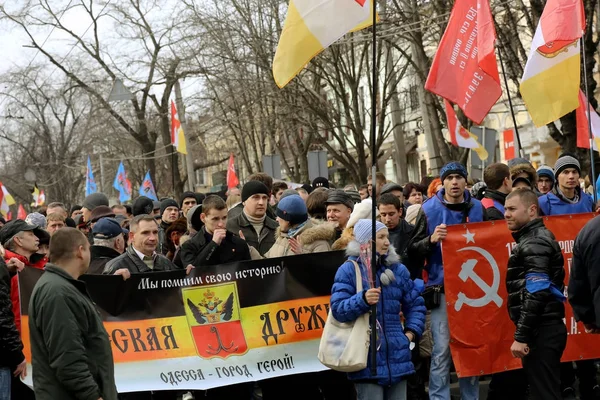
{"type": "Point", "coordinates": [71, 351]}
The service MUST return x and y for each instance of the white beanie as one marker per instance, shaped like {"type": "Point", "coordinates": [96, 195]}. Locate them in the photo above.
{"type": "Point", "coordinates": [362, 210]}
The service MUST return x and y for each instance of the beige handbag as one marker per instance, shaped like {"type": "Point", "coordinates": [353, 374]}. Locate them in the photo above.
{"type": "Point", "coordinates": [344, 346]}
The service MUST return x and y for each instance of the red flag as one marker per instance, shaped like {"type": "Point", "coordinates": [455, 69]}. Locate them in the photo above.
{"type": "Point", "coordinates": [464, 69]}
{"type": "Point", "coordinates": [9, 216]}
{"type": "Point", "coordinates": [232, 179]}
{"type": "Point", "coordinates": [21, 214]}
{"type": "Point", "coordinates": [583, 130]}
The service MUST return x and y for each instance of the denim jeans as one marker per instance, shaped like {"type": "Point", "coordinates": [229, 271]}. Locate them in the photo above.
{"type": "Point", "coordinates": [372, 391]}
{"type": "Point", "coordinates": [5, 378]}
{"type": "Point", "coordinates": [439, 375]}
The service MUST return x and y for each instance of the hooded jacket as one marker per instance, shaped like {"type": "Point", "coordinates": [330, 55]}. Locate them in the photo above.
{"type": "Point", "coordinates": [554, 203]}
{"type": "Point", "coordinates": [537, 252]}
{"type": "Point", "coordinates": [393, 354]}
{"type": "Point", "coordinates": [14, 282]}
{"type": "Point", "coordinates": [315, 238]}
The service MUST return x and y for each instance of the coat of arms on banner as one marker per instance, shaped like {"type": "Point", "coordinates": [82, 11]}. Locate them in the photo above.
{"type": "Point", "coordinates": [213, 314]}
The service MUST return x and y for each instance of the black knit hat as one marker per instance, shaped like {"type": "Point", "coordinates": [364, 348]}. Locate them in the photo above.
{"type": "Point", "coordinates": [167, 203]}
{"type": "Point", "coordinates": [142, 205]}
{"type": "Point", "coordinates": [253, 187]}
{"type": "Point", "coordinates": [187, 195]}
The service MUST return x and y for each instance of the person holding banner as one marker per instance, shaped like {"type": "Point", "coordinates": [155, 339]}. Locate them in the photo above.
{"type": "Point", "coordinates": [393, 292]}
{"type": "Point", "coordinates": [451, 205]}
{"type": "Point", "coordinates": [70, 348]}
{"type": "Point", "coordinates": [535, 286]}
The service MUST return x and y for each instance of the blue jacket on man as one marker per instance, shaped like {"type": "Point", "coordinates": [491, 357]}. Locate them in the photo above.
{"type": "Point", "coordinates": [437, 211]}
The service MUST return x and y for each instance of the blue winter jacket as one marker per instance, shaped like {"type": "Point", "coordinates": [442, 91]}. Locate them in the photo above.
{"type": "Point", "coordinates": [552, 204]}
{"type": "Point", "coordinates": [434, 212]}
{"type": "Point", "coordinates": [393, 354]}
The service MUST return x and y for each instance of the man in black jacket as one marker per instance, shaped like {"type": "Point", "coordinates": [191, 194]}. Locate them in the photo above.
{"type": "Point", "coordinates": [499, 185]}
{"type": "Point", "coordinates": [534, 282]}
{"type": "Point", "coordinates": [391, 212]}
{"type": "Point", "coordinates": [584, 281]}
{"type": "Point", "coordinates": [213, 244]}
{"type": "Point", "coordinates": [12, 360]}
{"type": "Point", "coordinates": [70, 348]}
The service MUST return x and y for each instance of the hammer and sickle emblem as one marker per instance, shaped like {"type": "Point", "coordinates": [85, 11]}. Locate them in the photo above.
{"type": "Point", "coordinates": [468, 272]}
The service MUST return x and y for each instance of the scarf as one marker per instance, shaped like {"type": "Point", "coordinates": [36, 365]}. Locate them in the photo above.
{"type": "Point", "coordinates": [294, 231]}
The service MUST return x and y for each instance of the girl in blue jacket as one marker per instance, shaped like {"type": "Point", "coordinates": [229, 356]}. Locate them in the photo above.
{"type": "Point", "coordinates": [394, 292]}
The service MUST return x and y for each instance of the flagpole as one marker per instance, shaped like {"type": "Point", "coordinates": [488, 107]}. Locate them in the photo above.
{"type": "Point", "coordinates": [510, 105]}
{"type": "Point", "coordinates": [589, 118]}
{"type": "Point", "coordinates": [373, 315]}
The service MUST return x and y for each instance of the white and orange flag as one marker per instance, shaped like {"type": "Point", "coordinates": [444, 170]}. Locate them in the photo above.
{"type": "Point", "coordinates": [177, 135]}
{"type": "Point", "coordinates": [464, 68]}
{"type": "Point", "coordinates": [459, 136]}
{"type": "Point", "coordinates": [583, 125]}
{"type": "Point", "coordinates": [310, 27]}
{"type": "Point", "coordinates": [6, 200]}
{"type": "Point", "coordinates": [550, 82]}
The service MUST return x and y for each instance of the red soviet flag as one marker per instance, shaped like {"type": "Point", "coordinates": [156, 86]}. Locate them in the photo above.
{"type": "Point", "coordinates": [232, 179]}
{"type": "Point", "coordinates": [464, 68]}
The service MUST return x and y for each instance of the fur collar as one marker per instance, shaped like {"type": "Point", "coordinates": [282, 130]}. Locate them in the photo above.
{"type": "Point", "coordinates": [313, 231]}
{"type": "Point", "coordinates": [353, 250]}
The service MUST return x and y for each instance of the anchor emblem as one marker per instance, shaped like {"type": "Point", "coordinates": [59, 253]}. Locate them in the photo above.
{"type": "Point", "coordinates": [228, 349]}
{"type": "Point", "coordinates": [468, 272]}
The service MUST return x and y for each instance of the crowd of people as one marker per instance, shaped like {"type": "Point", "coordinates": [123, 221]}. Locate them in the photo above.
{"type": "Point", "coordinates": [71, 354]}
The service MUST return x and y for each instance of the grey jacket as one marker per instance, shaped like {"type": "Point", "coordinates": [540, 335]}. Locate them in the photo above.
{"type": "Point", "coordinates": [130, 260]}
{"type": "Point", "coordinates": [262, 243]}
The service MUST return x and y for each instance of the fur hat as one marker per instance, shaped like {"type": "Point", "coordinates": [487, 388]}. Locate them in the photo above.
{"type": "Point", "coordinates": [520, 165]}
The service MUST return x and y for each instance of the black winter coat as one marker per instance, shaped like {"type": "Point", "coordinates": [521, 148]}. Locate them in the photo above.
{"type": "Point", "coordinates": [399, 238]}
{"type": "Point", "coordinates": [202, 251]}
{"type": "Point", "coordinates": [11, 348]}
{"type": "Point", "coordinates": [584, 281]}
{"type": "Point", "coordinates": [537, 251]}
{"type": "Point", "coordinates": [100, 256]}
{"type": "Point", "coordinates": [135, 265]}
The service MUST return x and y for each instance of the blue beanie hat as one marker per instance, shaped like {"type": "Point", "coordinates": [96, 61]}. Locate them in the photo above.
{"type": "Point", "coordinates": [546, 171]}
{"type": "Point", "coordinates": [363, 229]}
{"type": "Point", "coordinates": [292, 209]}
{"type": "Point", "coordinates": [453, 167]}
